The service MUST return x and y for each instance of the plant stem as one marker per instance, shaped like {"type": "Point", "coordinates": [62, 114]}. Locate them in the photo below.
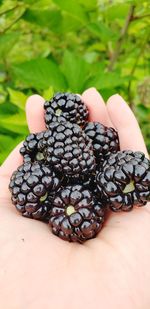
{"type": "Point", "coordinates": [123, 33]}
{"type": "Point", "coordinates": [9, 10]}
{"type": "Point", "coordinates": [9, 26]}
{"type": "Point", "coordinates": [142, 49]}
{"type": "Point", "coordinates": [140, 17]}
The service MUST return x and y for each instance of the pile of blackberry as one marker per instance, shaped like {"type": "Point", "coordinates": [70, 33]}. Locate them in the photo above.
{"type": "Point", "coordinates": [73, 173]}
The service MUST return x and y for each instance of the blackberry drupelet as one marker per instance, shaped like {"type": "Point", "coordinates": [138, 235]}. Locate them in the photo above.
{"type": "Point", "coordinates": [105, 140]}
{"type": "Point", "coordinates": [32, 149]}
{"type": "Point", "coordinates": [32, 187]}
{"type": "Point", "coordinates": [125, 180]}
{"type": "Point", "coordinates": [76, 215]}
{"type": "Point", "coordinates": [90, 184]}
{"type": "Point", "coordinates": [68, 149]}
{"type": "Point", "coordinates": [66, 107]}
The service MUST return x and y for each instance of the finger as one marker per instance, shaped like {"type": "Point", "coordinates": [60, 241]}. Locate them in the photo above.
{"type": "Point", "coordinates": [12, 162]}
{"type": "Point", "coordinates": [35, 113]}
{"type": "Point", "coordinates": [125, 122]}
{"type": "Point", "coordinates": [96, 106]}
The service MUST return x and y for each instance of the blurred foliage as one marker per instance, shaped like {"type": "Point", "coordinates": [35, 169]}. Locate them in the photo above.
{"type": "Point", "coordinates": [51, 45]}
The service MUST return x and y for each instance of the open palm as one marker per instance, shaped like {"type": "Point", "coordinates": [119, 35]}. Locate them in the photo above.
{"type": "Point", "coordinates": [39, 270]}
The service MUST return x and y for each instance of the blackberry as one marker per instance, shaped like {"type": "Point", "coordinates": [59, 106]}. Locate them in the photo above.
{"type": "Point", "coordinates": [66, 107]}
{"type": "Point", "coordinates": [89, 182]}
{"type": "Point", "coordinates": [32, 148]}
{"type": "Point", "coordinates": [68, 149]}
{"type": "Point", "coordinates": [76, 215]}
{"type": "Point", "coordinates": [32, 187]}
{"type": "Point", "coordinates": [125, 180]}
{"type": "Point", "coordinates": [105, 140]}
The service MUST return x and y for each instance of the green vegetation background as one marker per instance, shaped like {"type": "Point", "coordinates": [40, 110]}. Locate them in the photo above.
{"type": "Point", "coordinates": [51, 45]}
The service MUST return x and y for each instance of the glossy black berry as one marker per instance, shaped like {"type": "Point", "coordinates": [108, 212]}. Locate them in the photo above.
{"type": "Point", "coordinates": [68, 149]}
{"type": "Point", "coordinates": [32, 149]}
{"type": "Point", "coordinates": [76, 215]}
{"type": "Point", "coordinates": [66, 107]}
{"type": "Point", "coordinates": [125, 180]}
{"type": "Point", "coordinates": [32, 189]}
{"type": "Point", "coordinates": [89, 182]}
{"type": "Point", "coordinates": [105, 140]}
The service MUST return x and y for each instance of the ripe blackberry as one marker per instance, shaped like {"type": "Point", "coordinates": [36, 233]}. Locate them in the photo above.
{"type": "Point", "coordinates": [32, 187]}
{"type": "Point", "coordinates": [76, 215]}
{"type": "Point", "coordinates": [65, 107]}
{"type": "Point", "coordinates": [125, 180]}
{"type": "Point", "coordinates": [68, 149]}
{"type": "Point", "coordinates": [32, 149]}
{"type": "Point", "coordinates": [89, 182]}
{"type": "Point", "coordinates": [105, 140]}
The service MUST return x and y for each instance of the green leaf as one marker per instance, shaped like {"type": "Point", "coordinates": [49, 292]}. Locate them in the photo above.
{"type": "Point", "coordinates": [90, 57]}
{"type": "Point", "coordinates": [11, 16]}
{"type": "Point", "coordinates": [89, 4]}
{"type": "Point", "coordinates": [101, 31]}
{"type": "Point", "coordinates": [39, 74]}
{"type": "Point", "coordinates": [18, 98]}
{"type": "Point", "coordinates": [73, 8]}
{"type": "Point", "coordinates": [6, 42]}
{"type": "Point", "coordinates": [117, 10]}
{"type": "Point", "coordinates": [143, 111]}
{"type": "Point", "coordinates": [3, 94]}
{"type": "Point", "coordinates": [6, 108]}
{"type": "Point", "coordinates": [7, 144]}
{"type": "Point", "coordinates": [48, 93]}
{"type": "Point", "coordinates": [105, 80]}
{"type": "Point", "coordinates": [75, 70]}
{"type": "Point", "coordinates": [3, 76]}
{"type": "Point", "coordinates": [7, 5]}
{"type": "Point", "coordinates": [70, 24]}
{"type": "Point", "coordinates": [50, 19]}
{"type": "Point", "coordinates": [42, 4]}
{"type": "Point", "coordinates": [100, 47]}
{"type": "Point", "coordinates": [15, 123]}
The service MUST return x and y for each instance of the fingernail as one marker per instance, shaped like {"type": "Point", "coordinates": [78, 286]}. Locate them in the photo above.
{"type": "Point", "coordinates": [116, 96]}
{"type": "Point", "coordinates": [90, 89]}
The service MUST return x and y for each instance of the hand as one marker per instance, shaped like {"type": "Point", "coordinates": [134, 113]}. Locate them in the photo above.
{"type": "Point", "coordinates": [39, 270]}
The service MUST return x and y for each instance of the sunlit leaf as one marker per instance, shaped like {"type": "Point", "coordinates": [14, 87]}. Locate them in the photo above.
{"type": "Point", "coordinates": [73, 8]}
{"type": "Point", "coordinates": [49, 18]}
{"type": "Point", "coordinates": [18, 98]}
{"type": "Point", "coordinates": [105, 80]}
{"type": "Point", "coordinates": [3, 94]}
{"type": "Point", "coordinates": [75, 70]}
{"type": "Point", "coordinates": [89, 4]}
{"type": "Point", "coordinates": [48, 93]}
{"type": "Point", "coordinates": [39, 74]}
{"type": "Point", "coordinates": [16, 123]}
{"type": "Point", "coordinates": [7, 144]}
{"type": "Point", "coordinates": [7, 40]}
{"type": "Point", "coordinates": [101, 31]}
